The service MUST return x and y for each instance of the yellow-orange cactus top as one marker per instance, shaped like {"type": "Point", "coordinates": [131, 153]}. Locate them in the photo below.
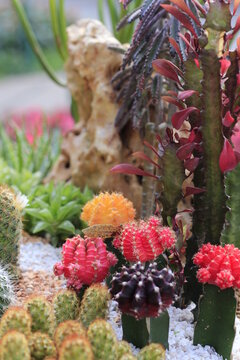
{"type": "Point", "coordinates": [113, 209]}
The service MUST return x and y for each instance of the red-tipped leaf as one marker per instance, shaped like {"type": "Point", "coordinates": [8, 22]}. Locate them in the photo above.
{"type": "Point", "coordinates": [141, 155]}
{"type": "Point", "coordinates": [228, 120]}
{"type": "Point", "coordinates": [191, 164]}
{"type": "Point", "coordinates": [185, 151]}
{"type": "Point", "coordinates": [180, 17]}
{"type": "Point", "coordinates": [227, 160]}
{"type": "Point", "coordinates": [173, 101]}
{"type": "Point", "coordinates": [193, 191]}
{"type": "Point", "coordinates": [183, 95]}
{"type": "Point", "coordinates": [176, 47]}
{"type": "Point", "coordinates": [179, 117]}
{"type": "Point", "coordinates": [183, 6]}
{"type": "Point", "coordinates": [130, 170]}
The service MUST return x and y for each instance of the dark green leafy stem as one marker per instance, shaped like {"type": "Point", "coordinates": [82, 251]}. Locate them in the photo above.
{"type": "Point", "coordinates": [34, 43]}
{"type": "Point", "coordinates": [215, 325]}
{"type": "Point", "coordinates": [214, 197]}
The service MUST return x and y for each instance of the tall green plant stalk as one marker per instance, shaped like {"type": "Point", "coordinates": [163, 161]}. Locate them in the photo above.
{"type": "Point", "coordinates": [34, 43]}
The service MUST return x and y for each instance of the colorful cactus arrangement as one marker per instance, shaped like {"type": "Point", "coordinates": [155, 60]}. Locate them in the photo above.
{"type": "Point", "coordinates": [117, 272]}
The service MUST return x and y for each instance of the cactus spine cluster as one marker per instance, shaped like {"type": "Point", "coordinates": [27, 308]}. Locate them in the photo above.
{"type": "Point", "coordinates": [94, 304]}
{"type": "Point", "coordinates": [103, 340]}
{"type": "Point", "coordinates": [16, 318]}
{"type": "Point", "coordinates": [123, 348]}
{"type": "Point", "coordinates": [6, 290]}
{"type": "Point", "coordinates": [65, 305]}
{"type": "Point", "coordinates": [42, 314]}
{"type": "Point", "coordinates": [14, 346]}
{"type": "Point", "coordinates": [40, 346]}
{"type": "Point", "coordinates": [10, 228]}
{"type": "Point", "coordinates": [76, 348]}
{"type": "Point", "coordinates": [152, 352]}
{"type": "Point", "coordinates": [67, 328]}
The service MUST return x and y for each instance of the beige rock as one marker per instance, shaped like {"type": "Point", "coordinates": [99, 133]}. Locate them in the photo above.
{"type": "Point", "coordinates": [94, 146]}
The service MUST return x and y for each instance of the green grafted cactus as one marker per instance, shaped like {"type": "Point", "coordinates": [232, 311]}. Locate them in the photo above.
{"type": "Point", "coordinates": [152, 352]}
{"type": "Point", "coordinates": [10, 228]}
{"type": "Point", "coordinates": [16, 318]}
{"type": "Point", "coordinates": [103, 340]}
{"type": "Point", "coordinates": [232, 226]}
{"type": "Point", "coordinates": [66, 306]}
{"type": "Point", "coordinates": [67, 328]}
{"type": "Point", "coordinates": [42, 314]}
{"type": "Point", "coordinates": [76, 348]}
{"type": "Point", "coordinates": [14, 346]}
{"type": "Point", "coordinates": [215, 325]}
{"type": "Point", "coordinates": [40, 346]}
{"type": "Point", "coordinates": [94, 304]}
{"type": "Point", "coordinates": [6, 290]}
{"type": "Point", "coordinates": [123, 348]}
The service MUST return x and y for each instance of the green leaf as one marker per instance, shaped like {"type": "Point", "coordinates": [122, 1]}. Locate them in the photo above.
{"type": "Point", "coordinates": [40, 226]}
{"type": "Point", "coordinates": [67, 226]}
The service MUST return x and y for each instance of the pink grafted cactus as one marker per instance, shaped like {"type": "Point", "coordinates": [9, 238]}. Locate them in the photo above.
{"type": "Point", "coordinates": [144, 240]}
{"type": "Point", "coordinates": [84, 261]}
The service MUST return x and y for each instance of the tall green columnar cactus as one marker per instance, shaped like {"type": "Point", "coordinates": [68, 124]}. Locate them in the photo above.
{"type": "Point", "coordinates": [232, 226]}
{"type": "Point", "coordinates": [10, 228]}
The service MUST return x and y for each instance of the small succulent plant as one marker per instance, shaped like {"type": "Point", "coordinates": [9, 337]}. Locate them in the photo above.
{"type": "Point", "coordinates": [40, 346]}
{"type": "Point", "coordinates": [144, 240]}
{"type": "Point", "coordinates": [67, 328]}
{"type": "Point", "coordinates": [85, 261]}
{"type": "Point", "coordinates": [112, 209]}
{"type": "Point", "coordinates": [103, 340]}
{"type": "Point", "coordinates": [76, 348]}
{"type": "Point", "coordinates": [152, 352]}
{"type": "Point", "coordinates": [16, 318]}
{"type": "Point", "coordinates": [123, 348]}
{"type": "Point", "coordinates": [65, 305]}
{"type": "Point", "coordinates": [143, 292]}
{"type": "Point", "coordinates": [42, 314]}
{"type": "Point", "coordinates": [94, 304]}
{"type": "Point", "coordinates": [14, 346]}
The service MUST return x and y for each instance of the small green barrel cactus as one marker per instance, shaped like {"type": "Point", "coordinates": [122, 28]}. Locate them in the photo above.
{"type": "Point", "coordinates": [10, 227]}
{"type": "Point", "coordinates": [41, 346]}
{"type": "Point", "coordinates": [152, 352]}
{"type": "Point", "coordinates": [14, 346]}
{"type": "Point", "coordinates": [42, 314]}
{"type": "Point", "coordinates": [6, 290]}
{"type": "Point", "coordinates": [65, 305]}
{"type": "Point", "coordinates": [128, 357]}
{"type": "Point", "coordinates": [67, 328]}
{"type": "Point", "coordinates": [103, 340]}
{"type": "Point", "coordinates": [76, 348]}
{"type": "Point", "coordinates": [94, 304]}
{"type": "Point", "coordinates": [16, 318]}
{"type": "Point", "coordinates": [123, 348]}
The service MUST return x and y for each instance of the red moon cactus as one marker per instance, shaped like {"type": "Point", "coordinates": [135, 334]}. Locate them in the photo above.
{"type": "Point", "coordinates": [84, 261]}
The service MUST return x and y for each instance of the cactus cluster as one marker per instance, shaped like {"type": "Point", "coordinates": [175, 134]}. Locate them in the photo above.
{"type": "Point", "coordinates": [67, 328]}
{"type": "Point", "coordinates": [152, 352]}
{"type": "Point", "coordinates": [16, 318]}
{"type": "Point", "coordinates": [143, 292]}
{"type": "Point", "coordinates": [65, 305]}
{"type": "Point", "coordinates": [111, 209]}
{"type": "Point", "coordinates": [14, 346]}
{"type": "Point", "coordinates": [76, 348]}
{"type": "Point", "coordinates": [84, 261]}
{"type": "Point", "coordinates": [144, 240]}
{"type": "Point", "coordinates": [10, 228]}
{"type": "Point", "coordinates": [40, 346]}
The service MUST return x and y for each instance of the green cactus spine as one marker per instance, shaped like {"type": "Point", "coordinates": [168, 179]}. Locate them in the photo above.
{"type": "Point", "coordinates": [232, 226]}
{"type": "Point", "coordinates": [14, 346]}
{"type": "Point", "coordinates": [94, 304]}
{"type": "Point", "coordinates": [123, 348]}
{"type": "Point", "coordinates": [152, 352]}
{"type": "Point", "coordinates": [6, 290]}
{"type": "Point", "coordinates": [40, 346]}
{"type": "Point", "coordinates": [103, 340]}
{"type": "Point", "coordinates": [16, 318]}
{"type": "Point", "coordinates": [76, 348]}
{"type": "Point", "coordinates": [67, 328]}
{"type": "Point", "coordinates": [66, 306]}
{"type": "Point", "coordinates": [42, 314]}
{"type": "Point", "coordinates": [10, 228]}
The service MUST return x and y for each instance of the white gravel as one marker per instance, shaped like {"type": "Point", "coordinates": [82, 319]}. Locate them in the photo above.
{"type": "Point", "coordinates": [42, 257]}
{"type": "Point", "coordinates": [38, 256]}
